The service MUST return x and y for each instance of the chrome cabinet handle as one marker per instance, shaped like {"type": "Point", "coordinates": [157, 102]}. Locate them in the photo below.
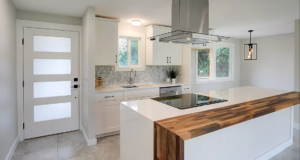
{"type": "Point", "coordinates": [116, 58]}
{"type": "Point", "coordinates": [170, 59]}
{"type": "Point", "coordinates": [167, 59]}
{"type": "Point", "coordinates": [109, 96]}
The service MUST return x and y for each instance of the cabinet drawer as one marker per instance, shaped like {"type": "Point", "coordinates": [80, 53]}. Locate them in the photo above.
{"type": "Point", "coordinates": [151, 92]}
{"type": "Point", "coordinates": [129, 95]}
{"type": "Point", "coordinates": [111, 96]}
{"type": "Point", "coordinates": [186, 89]}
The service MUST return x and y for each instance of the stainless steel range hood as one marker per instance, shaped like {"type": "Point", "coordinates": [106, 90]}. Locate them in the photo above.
{"type": "Point", "coordinates": [190, 23]}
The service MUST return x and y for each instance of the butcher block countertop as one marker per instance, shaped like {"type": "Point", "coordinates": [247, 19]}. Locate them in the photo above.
{"type": "Point", "coordinates": [200, 123]}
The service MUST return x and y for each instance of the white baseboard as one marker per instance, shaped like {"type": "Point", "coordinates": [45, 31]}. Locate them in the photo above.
{"type": "Point", "coordinates": [276, 150]}
{"type": "Point", "coordinates": [296, 125]}
{"type": "Point", "coordinates": [12, 149]}
{"type": "Point", "coordinates": [90, 142]}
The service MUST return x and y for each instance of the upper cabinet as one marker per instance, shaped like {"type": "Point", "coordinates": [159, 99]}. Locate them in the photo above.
{"type": "Point", "coordinates": [159, 53]}
{"type": "Point", "coordinates": [106, 41]}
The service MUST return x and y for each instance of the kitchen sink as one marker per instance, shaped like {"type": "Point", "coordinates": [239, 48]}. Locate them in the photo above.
{"type": "Point", "coordinates": [128, 86]}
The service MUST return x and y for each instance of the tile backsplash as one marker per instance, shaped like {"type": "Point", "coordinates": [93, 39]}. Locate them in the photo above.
{"type": "Point", "coordinates": [152, 74]}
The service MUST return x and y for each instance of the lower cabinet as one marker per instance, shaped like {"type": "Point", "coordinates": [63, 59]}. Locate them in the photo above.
{"type": "Point", "coordinates": [107, 108]}
{"type": "Point", "coordinates": [107, 117]}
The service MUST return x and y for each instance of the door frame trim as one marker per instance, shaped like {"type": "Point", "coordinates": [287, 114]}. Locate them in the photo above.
{"type": "Point", "coordinates": [20, 34]}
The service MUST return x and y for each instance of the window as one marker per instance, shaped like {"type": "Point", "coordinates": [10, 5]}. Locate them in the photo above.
{"type": "Point", "coordinates": [131, 51]}
{"type": "Point", "coordinates": [214, 63]}
{"type": "Point", "coordinates": [128, 52]}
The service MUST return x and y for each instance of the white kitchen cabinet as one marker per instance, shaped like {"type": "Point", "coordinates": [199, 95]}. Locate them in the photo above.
{"type": "Point", "coordinates": [159, 53]}
{"type": "Point", "coordinates": [141, 94]}
{"type": "Point", "coordinates": [107, 117]}
{"type": "Point", "coordinates": [133, 95]}
{"type": "Point", "coordinates": [107, 41]}
{"type": "Point", "coordinates": [107, 112]}
{"type": "Point", "coordinates": [186, 89]}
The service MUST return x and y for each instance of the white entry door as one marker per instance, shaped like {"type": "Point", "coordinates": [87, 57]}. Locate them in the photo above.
{"type": "Point", "coordinates": [51, 83]}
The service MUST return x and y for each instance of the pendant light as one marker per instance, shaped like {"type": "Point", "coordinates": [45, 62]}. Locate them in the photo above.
{"type": "Point", "coordinates": [250, 50]}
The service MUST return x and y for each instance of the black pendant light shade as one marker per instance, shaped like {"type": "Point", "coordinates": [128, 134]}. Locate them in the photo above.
{"type": "Point", "coordinates": [250, 50]}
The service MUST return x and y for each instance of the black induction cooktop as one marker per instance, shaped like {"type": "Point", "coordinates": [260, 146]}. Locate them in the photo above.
{"type": "Point", "coordinates": [190, 100]}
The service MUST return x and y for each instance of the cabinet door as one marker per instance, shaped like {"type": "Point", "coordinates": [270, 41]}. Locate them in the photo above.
{"type": "Point", "coordinates": [107, 118]}
{"type": "Point", "coordinates": [106, 42]}
{"type": "Point", "coordinates": [175, 54]}
{"type": "Point", "coordinates": [160, 49]}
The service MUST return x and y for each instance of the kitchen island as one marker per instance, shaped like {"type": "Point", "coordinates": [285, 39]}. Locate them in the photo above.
{"type": "Point", "coordinates": [254, 123]}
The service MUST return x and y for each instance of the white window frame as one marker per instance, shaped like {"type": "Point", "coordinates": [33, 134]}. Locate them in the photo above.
{"type": "Point", "coordinates": [214, 47]}
{"type": "Point", "coordinates": [141, 52]}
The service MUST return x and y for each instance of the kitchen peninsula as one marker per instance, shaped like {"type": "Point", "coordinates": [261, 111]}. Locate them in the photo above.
{"type": "Point", "coordinates": [254, 123]}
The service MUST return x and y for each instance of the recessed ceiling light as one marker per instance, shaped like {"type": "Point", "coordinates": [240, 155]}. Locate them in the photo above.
{"type": "Point", "coordinates": [136, 23]}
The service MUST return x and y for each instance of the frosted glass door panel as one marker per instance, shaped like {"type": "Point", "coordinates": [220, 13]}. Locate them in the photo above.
{"type": "Point", "coordinates": [52, 111]}
{"type": "Point", "coordinates": [51, 89]}
{"type": "Point", "coordinates": [51, 66]}
{"type": "Point", "coordinates": [51, 44]}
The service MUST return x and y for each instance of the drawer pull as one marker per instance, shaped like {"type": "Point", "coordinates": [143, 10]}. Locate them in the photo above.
{"type": "Point", "coordinates": [187, 88]}
{"type": "Point", "coordinates": [109, 96]}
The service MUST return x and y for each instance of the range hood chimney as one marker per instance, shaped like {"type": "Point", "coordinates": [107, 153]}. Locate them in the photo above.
{"type": "Point", "coordinates": [190, 15]}
{"type": "Point", "coordinates": [190, 23]}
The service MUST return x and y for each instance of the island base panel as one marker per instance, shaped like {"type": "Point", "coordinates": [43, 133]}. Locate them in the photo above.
{"type": "Point", "coordinates": [167, 145]}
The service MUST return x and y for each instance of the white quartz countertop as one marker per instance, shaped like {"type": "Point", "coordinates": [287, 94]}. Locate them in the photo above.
{"type": "Point", "coordinates": [155, 111]}
{"type": "Point", "coordinates": [113, 88]}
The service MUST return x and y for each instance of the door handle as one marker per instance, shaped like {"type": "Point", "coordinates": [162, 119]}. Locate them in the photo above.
{"type": "Point", "coordinates": [170, 59]}
{"type": "Point", "coordinates": [75, 86]}
{"type": "Point", "coordinates": [116, 58]}
{"type": "Point", "coordinates": [167, 59]}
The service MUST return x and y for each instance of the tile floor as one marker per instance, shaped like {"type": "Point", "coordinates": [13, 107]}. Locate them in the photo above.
{"type": "Point", "coordinates": [68, 146]}
{"type": "Point", "coordinates": [72, 146]}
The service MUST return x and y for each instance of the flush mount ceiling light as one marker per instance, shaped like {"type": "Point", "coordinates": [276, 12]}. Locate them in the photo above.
{"type": "Point", "coordinates": [136, 23]}
{"type": "Point", "coordinates": [250, 50]}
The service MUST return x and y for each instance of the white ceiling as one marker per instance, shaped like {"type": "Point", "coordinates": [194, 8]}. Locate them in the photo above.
{"type": "Point", "coordinates": [227, 17]}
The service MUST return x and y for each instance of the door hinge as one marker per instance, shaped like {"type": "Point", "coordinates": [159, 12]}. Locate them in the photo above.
{"type": "Point", "coordinates": [23, 84]}
{"type": "Point", "coordinates": [23, 41]}
{"type": "Point", "coordinates": [23, 125]}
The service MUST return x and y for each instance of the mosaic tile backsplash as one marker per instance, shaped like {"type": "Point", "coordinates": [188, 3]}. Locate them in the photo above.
{"type": "Point", "coordinates": [152, 74]}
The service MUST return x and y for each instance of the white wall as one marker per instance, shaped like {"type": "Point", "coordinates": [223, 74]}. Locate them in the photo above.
{"type": "Point", "coordinates": [8, 90]}
{"type": "Point", "coordinates": [275, 65]}
{"type": "Point", "coordinates": [217, 85]}
{"type": "Point", "coordinates": [47, 17]}
{"type": "Point", "coordinates": [88, 74]}
{"type": "Point", "coordinates": [127, 27]}
{"type": "Point", "coordinates": [297, 67]}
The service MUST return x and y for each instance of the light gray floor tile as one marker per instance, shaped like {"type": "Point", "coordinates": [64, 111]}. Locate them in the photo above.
{"type": "Point", "coordinates": [20, 150]}
{"type": "Point", "coordinates": [40, 143]}
{"type": "Point", "coordinates": [292, 152]}
{"type": "Point", "coordinates": [110, 154]}
{"type": "Point", "coordinates": [47, 154]}
{"type": "Point", "coordinates": [70, 138]}
{"type": "Point", "coordinates": [85, 157]}
{"type": "Point", "coordinates": [108, 148]}
{"type": "Point", "coordinates": [106, 144]}
{"type": "Point", "coordinates": [73, 150]}
{"type": "Point", "coordinates": [17, 157]}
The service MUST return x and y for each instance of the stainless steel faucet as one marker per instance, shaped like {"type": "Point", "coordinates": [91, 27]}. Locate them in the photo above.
{"type": "Point", "coordinates": [132, 79]}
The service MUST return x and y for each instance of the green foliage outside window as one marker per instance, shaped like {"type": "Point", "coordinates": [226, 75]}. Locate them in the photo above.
{"type": "Point", "coordinates": [134, 52]}
{"type": "Point", "coordinates": [123, 52]}
{"type": "Point", "coordinates": [203, 63]}
{"type": "Point", "coordinates": [222, 63]}
{"type": "Point", "coordinates": [223, 60]}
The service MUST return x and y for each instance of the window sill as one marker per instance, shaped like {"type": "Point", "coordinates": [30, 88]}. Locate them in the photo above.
{"type": "Point", "coordinates": [136, 68]}
{"type": "Point", "coordinates": [201, 81]}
